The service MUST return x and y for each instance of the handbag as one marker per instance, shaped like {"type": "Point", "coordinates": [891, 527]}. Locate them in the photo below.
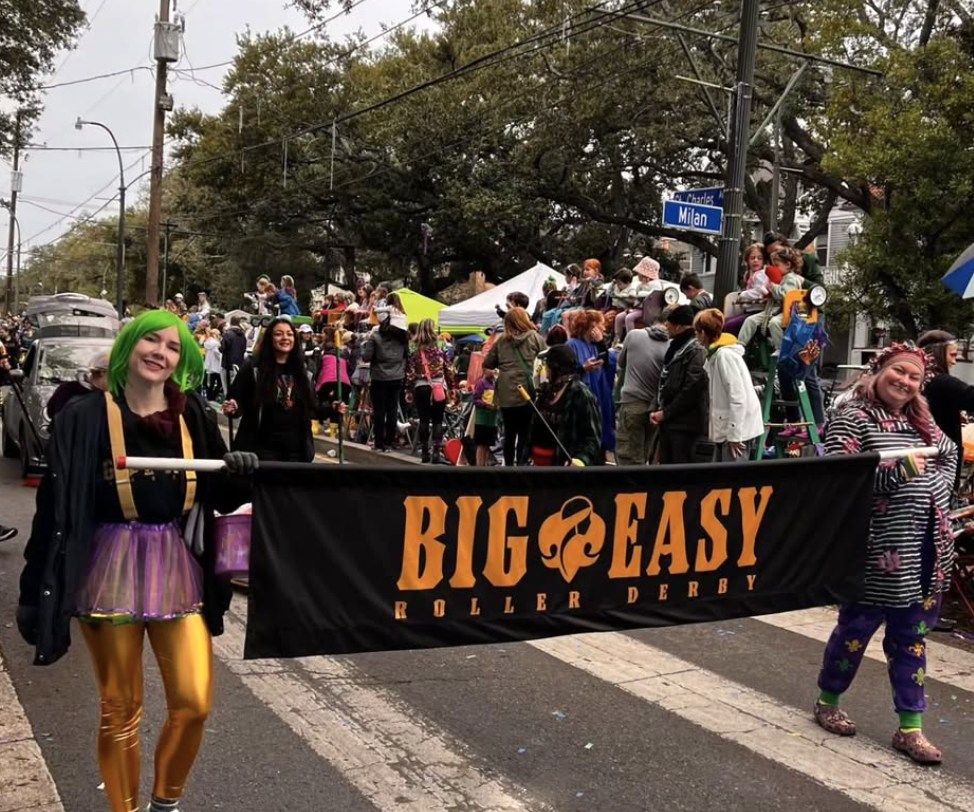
{"type": "Point", "coordinates": [437, 390]}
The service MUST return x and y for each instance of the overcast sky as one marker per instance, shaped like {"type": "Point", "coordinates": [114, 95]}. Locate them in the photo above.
{"type": "Point", "coordinates": [120, 38]}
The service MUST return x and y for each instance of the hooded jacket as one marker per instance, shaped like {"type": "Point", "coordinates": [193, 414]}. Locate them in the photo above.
{"type": "Point", "coordinates": [514, 357]}
{"type": "Point", "coordinates": [735, 411]}
{"type": "Point", "coordinates": [641, 359]}
{"type": "Point", "coordinates": [386, 355]}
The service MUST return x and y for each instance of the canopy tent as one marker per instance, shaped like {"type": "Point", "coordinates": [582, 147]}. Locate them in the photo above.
{"type": "Point", "coordinates": [417, 306]}
{"type": "Point", "coordinates": [480, 312]}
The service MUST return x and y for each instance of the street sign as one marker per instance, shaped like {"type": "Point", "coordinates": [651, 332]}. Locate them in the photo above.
{"type": "Point", "coordinates": [692, 216]}
{"type": "Point", "coordinates": [712, 196]}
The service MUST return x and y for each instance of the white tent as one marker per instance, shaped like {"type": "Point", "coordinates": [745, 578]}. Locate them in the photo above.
{"type": "Point", "coordinates": [480, 311]}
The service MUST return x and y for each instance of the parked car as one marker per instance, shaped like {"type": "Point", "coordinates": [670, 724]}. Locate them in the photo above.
{"type": "Point", "coordinates": [62, 350]}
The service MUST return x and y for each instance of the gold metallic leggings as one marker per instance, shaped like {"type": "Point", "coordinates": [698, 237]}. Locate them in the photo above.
{"type": "Point", "coordinates": [184, 653]}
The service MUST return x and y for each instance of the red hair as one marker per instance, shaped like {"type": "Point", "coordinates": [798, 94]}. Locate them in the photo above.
{"type": "Point", "coordinates": [582, 321]}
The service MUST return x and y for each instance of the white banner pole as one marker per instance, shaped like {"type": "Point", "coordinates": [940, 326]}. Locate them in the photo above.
{"type": "Point", "coordinates": [900, 453]}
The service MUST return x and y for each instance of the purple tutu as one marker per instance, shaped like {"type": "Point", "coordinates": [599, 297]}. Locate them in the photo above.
{"type": "Point", "coordinates": [140, 572]}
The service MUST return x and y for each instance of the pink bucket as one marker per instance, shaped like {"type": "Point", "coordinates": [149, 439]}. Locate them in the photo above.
{"type": "Point", "coordinates": [232, 540]}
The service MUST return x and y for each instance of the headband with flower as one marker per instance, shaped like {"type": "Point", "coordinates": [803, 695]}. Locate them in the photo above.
{"type": "Point", "coordinates": [909, 350]}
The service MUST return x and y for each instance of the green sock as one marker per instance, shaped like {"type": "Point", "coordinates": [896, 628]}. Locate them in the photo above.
{"type": "Point", "coordinates": [910, 721]}
{"type": "Point", "coordinates": [828, 698]}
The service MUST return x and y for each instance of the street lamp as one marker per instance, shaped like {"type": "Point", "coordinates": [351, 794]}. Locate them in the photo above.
{"type": "Point", "coordinates": [120, 250]}
{"type": "Point", "coordinates": [6, 204]}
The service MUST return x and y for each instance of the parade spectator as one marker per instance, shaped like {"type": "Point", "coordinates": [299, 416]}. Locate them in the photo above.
{"type": "Point", "coordinates": [429, 380]}
{"type": "Point", "coordinates": [264, 295]}
{"type": "Point", "coordinates": [789, 263]}
{"type": "Point", "coordinates": [571, 414]}
{"type": "Point", "coordinates": [484, 417]}
{"type": "Point", "coordinates": [683, 412]}
{"type": "Point", "coordinates": [556, 335]}
{"type": "Point", "coordinates": [233, 348]}
{"type": "Point", "coordinates": [95, 379]}
{"type": "Point", "coordinates": [910, 549]}
{"type": "Point", "coordinates": [754, 296]}
{"type": "Point", "coordinates": [203, 305]}
{"type": "Point", "coordinates": [947, 395]}
{"type": "Point", "coordinates": [586, 295]}
{"type": "Point", "coordinates": [646, 280]}
{"type": "Point", "coordinates": [587, 341]}
{"type": "Point", "coordinates": [385, 350]}
{"type": "Point", "coordinates": [110, 551]}
{"type": "Point", "coordinates": [180, 304]}
{"type": "Point", "coordinates": [333, 382]}
{"type": "Point", "coordinates": [811, 270]}
{"type": "Point", "coordinates": [692, 288]}
{"type": "Point", "coordinates": [286, 298]}
{"type": "Point", "coordinates": [735, 411]}
{"type": "Point", "coordinates": [639, 367]}
{"type": "Point", "coordinates": [272, 396]}
{"type": "Point", "coordinates": [621, 290]}
{"type": "Point", "coordinates": [513, 355]}
{"type": "Point", "coordinates": [213, 365]}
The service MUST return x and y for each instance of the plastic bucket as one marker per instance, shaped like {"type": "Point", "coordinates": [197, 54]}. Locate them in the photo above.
{"type": "Point", "coordinates": [232, 540]}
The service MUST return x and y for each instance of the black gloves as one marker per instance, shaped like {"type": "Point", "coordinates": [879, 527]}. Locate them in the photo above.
{"type": "Point", "coordinates": [241, 462]}
{"type": "Point", "coordinates": [27, 623]}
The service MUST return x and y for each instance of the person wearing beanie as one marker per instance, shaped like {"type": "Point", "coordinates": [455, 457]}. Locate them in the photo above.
{"type": "Point", "coordinates": [684, 400]}
{"type": "Point", "coordinates": [910, 549]}
{"type": "Point", "coordinates": [568, 417]}
{"type": "Point", "coordinates": [646, 280]}
{"type": "Point", "coordinates": [736, 421]}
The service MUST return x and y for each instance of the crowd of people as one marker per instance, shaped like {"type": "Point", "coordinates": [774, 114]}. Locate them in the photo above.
{"type": "Point", "coordinates": [592, 375]}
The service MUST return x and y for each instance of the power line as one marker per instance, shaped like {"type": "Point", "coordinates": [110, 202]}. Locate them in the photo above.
{"type": "Point", "coordinates": [131, 70]}
{"type": "Point", "coordinates": [46, 148]}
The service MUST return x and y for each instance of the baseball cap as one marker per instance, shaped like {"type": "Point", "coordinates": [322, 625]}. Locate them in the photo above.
{"type": "Point", "coordinates": [305, 328]}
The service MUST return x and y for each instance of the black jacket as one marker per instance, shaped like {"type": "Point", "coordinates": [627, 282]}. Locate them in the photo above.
{"type": "Point", "coordinates": [233, 347]}
{"type": "Point", "coordinates": [58, 548]}
{"type": "Point", "coordinates": [684, 394]}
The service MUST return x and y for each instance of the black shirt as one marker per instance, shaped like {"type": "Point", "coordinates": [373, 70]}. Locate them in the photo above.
{"type": "Point", "coordinates": [158, 495]}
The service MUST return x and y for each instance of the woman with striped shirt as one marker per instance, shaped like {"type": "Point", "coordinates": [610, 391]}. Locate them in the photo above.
{"type": "Point", "coordinates": [910, 550]}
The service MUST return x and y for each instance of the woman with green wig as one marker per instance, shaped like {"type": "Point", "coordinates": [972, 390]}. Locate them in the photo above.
{"type": "Point", "coordinates": [109, 547]}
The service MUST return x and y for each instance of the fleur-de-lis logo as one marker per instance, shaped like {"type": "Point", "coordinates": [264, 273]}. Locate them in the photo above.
{"type": "Point", "coordinates": [920, 676]}
{"type": "Point", "coordinates": [929, 603]}
{"type": "Point", "coordinates": [917, 649]}
{"type": "Point", "coordinates": [888, 562]}
{"type": "Point", "coordinates": [844, 665]}
{"type": "Point", "coordinates": [853, 646]}
{"type": "Point", "coordinates": [923, 629]}
{"type": "Point", "coordinates": [572, 538]}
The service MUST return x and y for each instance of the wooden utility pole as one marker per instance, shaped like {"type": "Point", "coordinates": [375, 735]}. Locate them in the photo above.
{"type": "Point", "coordinates": [164, 54]}
{"type": "Point", "coordinates": [14, 189]}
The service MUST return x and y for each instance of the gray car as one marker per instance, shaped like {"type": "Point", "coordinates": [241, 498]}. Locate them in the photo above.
{"type": "Point", "coordinates": [53, 359]}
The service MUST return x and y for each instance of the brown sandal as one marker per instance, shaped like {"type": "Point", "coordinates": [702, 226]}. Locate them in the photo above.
{"type": "Point", "coordinates": [917, 747]}
{"type": "Point", "coordinates": [834, 719]}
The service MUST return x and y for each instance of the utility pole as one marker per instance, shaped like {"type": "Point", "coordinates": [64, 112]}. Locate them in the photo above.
{"type": "Point", "coordinates": [166, 50]}
{"type": "Point", "coordinates": [165, 261]}
{"type": "Point", "coordinates": [728, 259]}
{"type": "Point", "coordinates": [16, 181]}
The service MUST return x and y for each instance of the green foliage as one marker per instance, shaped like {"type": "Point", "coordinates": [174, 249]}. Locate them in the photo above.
{"type": "Point", "coordinates": [31, 34]}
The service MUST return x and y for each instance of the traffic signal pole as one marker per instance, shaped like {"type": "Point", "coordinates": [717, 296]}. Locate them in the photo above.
{"type": "Point", "coordinates": [728, 260]}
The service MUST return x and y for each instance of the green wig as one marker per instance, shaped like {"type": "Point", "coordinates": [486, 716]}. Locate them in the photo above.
{"type": "Point", "coordinates": [189, 371]}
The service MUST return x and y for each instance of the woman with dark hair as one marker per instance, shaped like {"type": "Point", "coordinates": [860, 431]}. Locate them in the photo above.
{"type": "Point", "coordinates": [512, 355]}
{"type": "Point", "coordinates": [108, 547]}
{"type": "Point", "coordinates": [429, 380]}
{"type": "Point", "coordinates": [910, 549]}
{"type": "Point", "coordinates": [947, 395]}
{"type": "Point", "coordinates": [273, 398]}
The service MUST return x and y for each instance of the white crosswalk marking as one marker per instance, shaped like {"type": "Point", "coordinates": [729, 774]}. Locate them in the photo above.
{"type": "Point", "coordinates": [393, 756]}
{"type": "Point", "coordinates": [25, 782]}
{"type": "Point", "coordinates": [946, 664]}
{"type": "Point", "coordinates": [863, 770]}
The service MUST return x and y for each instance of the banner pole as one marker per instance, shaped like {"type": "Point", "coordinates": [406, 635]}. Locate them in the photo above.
{"type": "Point", "coordinates": [900, 453]}
{"type": "Point", "coordinates": [208, 466]}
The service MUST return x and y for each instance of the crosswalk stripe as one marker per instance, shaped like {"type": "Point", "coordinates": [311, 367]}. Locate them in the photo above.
{"type": "Point", "coordinates": [863, 770]}
{"type": "Point", "coordinates": [25, 782]}
{"type": "Point", "coordinates": [947, 664]}
{"type": "Point", "coordinates": [396, 758]}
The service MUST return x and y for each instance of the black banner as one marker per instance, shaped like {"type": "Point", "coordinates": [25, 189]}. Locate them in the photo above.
{"type": "Point", "coordinates": [348, 559]}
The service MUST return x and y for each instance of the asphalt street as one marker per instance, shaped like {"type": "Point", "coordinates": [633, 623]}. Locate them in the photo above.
{"type": "Point", "coordinates": [696, 717]}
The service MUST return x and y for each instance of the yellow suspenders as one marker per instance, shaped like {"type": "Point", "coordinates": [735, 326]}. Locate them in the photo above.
{"type": "Point", "coordinates": [123, 482]}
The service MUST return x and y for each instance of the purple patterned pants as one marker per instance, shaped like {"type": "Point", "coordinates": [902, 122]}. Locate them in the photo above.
{"type": "Point", "coordinates": [906, 652]}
